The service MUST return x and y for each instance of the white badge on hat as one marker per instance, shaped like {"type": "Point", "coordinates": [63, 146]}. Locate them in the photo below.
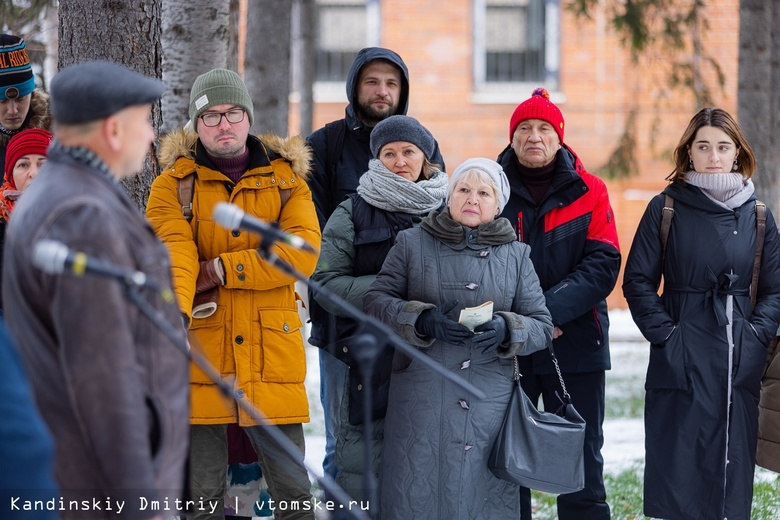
{"type": "Point", "coordinates": [201, 102]}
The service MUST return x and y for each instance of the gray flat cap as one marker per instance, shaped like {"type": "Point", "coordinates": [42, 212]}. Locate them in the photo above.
{"type": "Point", "coordinates": [97, 89]}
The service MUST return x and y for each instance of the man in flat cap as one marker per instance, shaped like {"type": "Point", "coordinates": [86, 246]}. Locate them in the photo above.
{"type": "Point", "coordinates": [111, 386]}
{"type": "Point", "coordinates": [22, 106]}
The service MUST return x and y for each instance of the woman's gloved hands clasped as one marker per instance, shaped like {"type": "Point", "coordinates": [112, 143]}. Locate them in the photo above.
{"type": "Point", "coordinates": [435, 323]}
{"type": "Point", "coordinates": [491, 334]}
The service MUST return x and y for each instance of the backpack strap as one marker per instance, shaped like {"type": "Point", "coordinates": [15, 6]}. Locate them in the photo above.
{"type": "Point", "coordinates": [666, 225]}
{"type": "Point", "coordinates": [334, 133]}
{"type": "Point", "coordinates": [185, 188]}
{"type": "Point", "coordinates": [760, 232]}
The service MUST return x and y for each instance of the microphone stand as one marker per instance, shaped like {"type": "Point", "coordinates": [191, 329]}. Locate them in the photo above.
{"type": "Point", "coordinates": [369, 340]}
{"type": "Point", "coordinates": [286, 445]}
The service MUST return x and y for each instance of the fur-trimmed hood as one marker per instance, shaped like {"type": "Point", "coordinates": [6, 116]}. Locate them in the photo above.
{"type": "Point", "coordinates": [181, 143]}
{"type": "Point", "coordinates": [39, 116]}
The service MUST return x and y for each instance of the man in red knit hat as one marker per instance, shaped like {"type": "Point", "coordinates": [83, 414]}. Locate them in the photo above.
{"type": "Point", "coordinates": [563, 212]}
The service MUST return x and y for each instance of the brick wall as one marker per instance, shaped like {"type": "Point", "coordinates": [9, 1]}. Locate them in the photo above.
{"type": "Point", "coordinates": [598, 83]}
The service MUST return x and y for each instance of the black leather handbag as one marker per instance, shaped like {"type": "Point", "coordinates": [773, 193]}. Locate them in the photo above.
{"type": "Point", "coordinates": [540, 450]}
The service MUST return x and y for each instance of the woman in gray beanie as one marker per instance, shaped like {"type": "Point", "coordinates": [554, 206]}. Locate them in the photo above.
{"type": "Point", "coordinates": [400, 187]}
{"type": "Point", "coordinates": [437, 438]}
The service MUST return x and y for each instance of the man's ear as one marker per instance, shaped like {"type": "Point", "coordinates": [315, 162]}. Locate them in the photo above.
{"type": "Point", "coordinates": [112, 132]}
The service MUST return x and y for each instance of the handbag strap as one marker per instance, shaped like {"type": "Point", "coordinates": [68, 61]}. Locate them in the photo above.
{"type": "Point", "coordinates": [760, 232]}
{"type": "Point", "coordinates": [566, 395]}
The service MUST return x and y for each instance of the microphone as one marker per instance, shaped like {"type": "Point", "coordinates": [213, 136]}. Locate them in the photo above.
{"type": "Point", "coordinates": [232, 217]}
{"type": "Point", "coordinates": [53, 257]}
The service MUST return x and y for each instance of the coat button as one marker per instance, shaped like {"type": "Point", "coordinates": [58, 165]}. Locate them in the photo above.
{"type": "Point", "coordinates": [235, 232]}
{"type": "Point", "coordinates": [239, 339]}
{"type": "Point", "coordinates": [241, 278]}
{"type": "Point", "coordinates": [240, 394]}
{"type": "Point", "coordinates": [286, 328]}
{"type": "Point", "coordinates": [240, 267]}
{"type": "Point", "coordinates": [360, 387]}
{"type": "Point", "coordinates": [735, 231]}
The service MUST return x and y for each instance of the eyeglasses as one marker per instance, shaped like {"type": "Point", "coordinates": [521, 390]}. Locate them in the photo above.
{"type": "Point", "coordinates": [233, 116]}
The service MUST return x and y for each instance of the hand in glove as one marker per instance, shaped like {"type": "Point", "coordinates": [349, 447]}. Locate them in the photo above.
{"type": "Point", "coordinates": [435, 323]}
{"type": "Point", "coordinates": [490, 335]}
{"type": "Point", "coordinates": [212, 274]}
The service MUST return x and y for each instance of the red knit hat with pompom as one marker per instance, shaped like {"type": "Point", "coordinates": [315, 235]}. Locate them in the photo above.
{"type": "Point", "coordinates": [538, 106]}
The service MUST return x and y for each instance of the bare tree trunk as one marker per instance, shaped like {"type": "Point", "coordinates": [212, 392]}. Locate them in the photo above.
{"type": "Point", "coordinates": [758, 96]}
{"type": "Point", "coordinates": [50, 25]}
{"type": "Point", "coordinates": [195, 37]}
{"type": "Point", "coordinates": [267, 66]}
{"type": "Point", "coordinates": [306, 39]}
{"type": "Point", "coordinates": [127, 33]}
{"type": "Point", "coordinates": [234, 22]}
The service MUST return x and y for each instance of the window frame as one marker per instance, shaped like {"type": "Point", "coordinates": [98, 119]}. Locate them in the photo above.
{"type": "Point", "coordinates": [333, 91]}
{"type": "Point", "coordinates": [484, 91]}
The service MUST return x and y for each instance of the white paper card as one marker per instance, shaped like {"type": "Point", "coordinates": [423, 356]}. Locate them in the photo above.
{"type": "Point", "coordinates": [473, 316]}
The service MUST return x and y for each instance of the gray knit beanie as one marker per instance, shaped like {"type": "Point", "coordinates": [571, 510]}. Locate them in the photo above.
{"type": "Point", "coordinates": [494, 171]}
{"type": "Point", "coordinates": [402, 128]}
{"type": "Point", "coordinates": [219, 87]}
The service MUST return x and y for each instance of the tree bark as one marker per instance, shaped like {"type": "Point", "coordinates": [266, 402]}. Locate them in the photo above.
{"type": "Point", "coordinates": [306, 62]}
{"type": "Point", "coordinates": [125, 32]}
{"type": "Point", "coordinates": [758, 93]}
{"type": "Point", "coordinates": [267, 64]}
{"type": "Point", "coordinates": [195, 38]}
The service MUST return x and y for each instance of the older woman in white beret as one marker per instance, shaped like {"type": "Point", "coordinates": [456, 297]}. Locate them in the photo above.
{"type": "Point", "coordinates": [438, 438]}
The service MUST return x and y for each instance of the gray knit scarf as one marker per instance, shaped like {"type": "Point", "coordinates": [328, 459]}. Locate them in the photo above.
{"type": "Point", "coordinates": [385, 190]}
{"type": "Point", "coordinates": [729, 189]}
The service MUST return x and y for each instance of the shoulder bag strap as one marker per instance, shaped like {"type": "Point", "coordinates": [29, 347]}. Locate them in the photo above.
{"type": "Point", "coordinates": [760, 232]}
{"type": "Point", "coordinates": [666, 224]}
{"type": "Point", "coordinates": [184, 189]}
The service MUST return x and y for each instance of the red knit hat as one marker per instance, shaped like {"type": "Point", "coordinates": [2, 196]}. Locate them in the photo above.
{"type": "Point", "coordinates": [538, 106]}
{"type": "Point", "coordinates": [30, 141]}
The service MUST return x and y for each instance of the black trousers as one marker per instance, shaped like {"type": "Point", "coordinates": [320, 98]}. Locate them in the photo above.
{"type": "Point", "coordinates": [587, 396]}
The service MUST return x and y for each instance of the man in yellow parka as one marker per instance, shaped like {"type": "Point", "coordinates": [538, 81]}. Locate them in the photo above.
{"type": "Point", "coordinates": [242, 309]}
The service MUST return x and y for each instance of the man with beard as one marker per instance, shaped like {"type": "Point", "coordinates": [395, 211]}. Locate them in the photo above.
{"type": "Point", "coordinates": [377, 88]}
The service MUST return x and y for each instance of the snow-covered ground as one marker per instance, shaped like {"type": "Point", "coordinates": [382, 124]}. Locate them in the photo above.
{"type": "Point", "coordinates": [623, 437]}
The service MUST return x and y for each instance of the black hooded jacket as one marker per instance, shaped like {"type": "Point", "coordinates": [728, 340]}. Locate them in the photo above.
{"type": "Point", "coordinates": [329, 190]}
{"type": "Point", "coordinates": [330, 186]}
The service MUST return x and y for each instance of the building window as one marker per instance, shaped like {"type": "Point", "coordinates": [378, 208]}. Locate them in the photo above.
{"type": "Point", "coordinates": [344, 27]}
{"type": "Point", "coordinates": [516, 41]}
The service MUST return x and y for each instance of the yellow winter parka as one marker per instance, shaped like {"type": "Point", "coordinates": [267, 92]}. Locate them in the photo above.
{"type": "Point", "coordinates": [255, 335]}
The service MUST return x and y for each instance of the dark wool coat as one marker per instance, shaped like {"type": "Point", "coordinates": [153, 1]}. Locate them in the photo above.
{"type": "Point", "coordinates": [701, 405]}
{"type": "Point", "coordinates": [437, 437]}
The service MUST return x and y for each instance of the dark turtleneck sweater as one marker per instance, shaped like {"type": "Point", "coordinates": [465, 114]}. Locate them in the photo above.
{"type": "Point", "coordinates": [233, 167]}
{"type": "Point", "coordinates": [537, 180]}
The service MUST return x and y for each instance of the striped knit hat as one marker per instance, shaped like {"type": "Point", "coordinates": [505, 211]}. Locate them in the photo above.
{"type": "Point", "coordinates": [16, 76]}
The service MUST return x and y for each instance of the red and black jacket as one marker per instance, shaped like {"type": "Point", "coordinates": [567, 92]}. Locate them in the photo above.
{"type": "Point", "coordinates": [574, 249]}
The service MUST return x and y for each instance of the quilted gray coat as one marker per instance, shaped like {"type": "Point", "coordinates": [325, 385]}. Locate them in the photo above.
{"type": "Point", "coordinates": [438, 438]}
